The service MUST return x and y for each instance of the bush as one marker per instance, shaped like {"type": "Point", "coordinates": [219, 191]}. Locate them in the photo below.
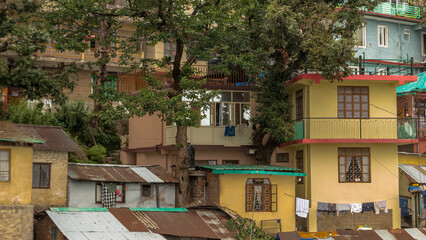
{"type": "Point", "coordinates": [96, 154]}
{"type": "Point", "coordinates": [30, 114]}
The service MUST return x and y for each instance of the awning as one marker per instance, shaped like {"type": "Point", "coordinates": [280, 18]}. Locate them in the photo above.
{"type": "Point", "coordinates": [417, 86]}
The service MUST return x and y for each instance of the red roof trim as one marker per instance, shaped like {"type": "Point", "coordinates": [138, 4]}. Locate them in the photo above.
{"type": "Point", "coordinates": [307, 141]}
{"type": "Point", "coordinates": [402, 79]}
{"type": "Point", "coordinates": [392, 63]}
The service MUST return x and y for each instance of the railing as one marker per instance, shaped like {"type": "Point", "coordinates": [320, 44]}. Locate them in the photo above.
{"type": "Point", "coordinates": [363, 128]}
{"type": "Point", "coordinates": [401, 10]}
{"type": "Point", "coordinates": [235, 77]}
{"type": "Point", "coordinates": [422, 128]}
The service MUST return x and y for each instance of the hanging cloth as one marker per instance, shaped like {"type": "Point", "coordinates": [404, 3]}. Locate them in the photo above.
{"type": "Point", "coordinates": [356, 208]}
{"type": "Point", "coordinates": [381, 205]}
{"type": "Point", "coordinates": [322, 207]}
{"type": "Point", "coordinates": [302, 207]}
{"type": "Point", "coordinates": [108, 199]}
{"type": "Point", "coordinates": [342, 208]}
{"type": "Point", "coordinates": [368, 207]}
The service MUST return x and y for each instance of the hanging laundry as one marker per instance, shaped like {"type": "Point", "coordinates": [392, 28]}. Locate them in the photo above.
{"type": "Point", "coordinates": [356, 208]}
{"type": "Point", "coordinates": [230, 131]}
{"type": "Point", "coordinates": [331, 207]}
{"type": "Point", "coordinates": [368, 207]}
{"type": "Point", "coordinates": [381, 205]}
{"type": "Point", "coordinates": [107, 198]}
{"type": "Point", "coordinates": [322, 207]}
{"type": "Point", "coordinates": [342, 207]}
{"type": "Point", "coordinates": [302, 207]}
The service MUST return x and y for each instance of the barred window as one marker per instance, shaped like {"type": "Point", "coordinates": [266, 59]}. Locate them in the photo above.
{"type": "Point", "coordinates": [352, 102]}
{"type": "Point", "coordinates": [354, 165]}
{"type": "Point", "coordinates": [4, 165]}
{"type": "Point", "coordinates": [41, 175]}
{"type": "Point", "coordinates": [261, 195]}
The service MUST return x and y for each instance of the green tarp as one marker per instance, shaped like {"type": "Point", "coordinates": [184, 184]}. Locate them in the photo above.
{"type": "Point", "coordinates": [417, 86]}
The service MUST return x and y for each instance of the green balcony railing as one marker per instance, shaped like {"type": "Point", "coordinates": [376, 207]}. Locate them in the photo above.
{"type": "Point", "coordinates": [401, 10]}
{"type": "Point", "coordinates": [358, 128]}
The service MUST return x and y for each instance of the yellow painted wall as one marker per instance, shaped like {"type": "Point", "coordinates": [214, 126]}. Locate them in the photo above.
{"type": "Point", "coordinates": [412, 159]}
{"type": "Point", "coordinates": [18, 190]}
{"type": "Point", "coordinates": [56, 195]}
{"type": "Point", "coordinates": [325, 186]}
{"type": "Point", "coordinates": [233, 194]}
{"type": "Point", "coordinates": [323, 97]}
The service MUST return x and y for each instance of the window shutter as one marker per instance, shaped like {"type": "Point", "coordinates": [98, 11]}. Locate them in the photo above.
{"type": "Point", "coordinates": [266, 198]}
{"type": "Point", "coordinates": [249, 197]}
{"type": "Point", "coordinates": [274, 198]}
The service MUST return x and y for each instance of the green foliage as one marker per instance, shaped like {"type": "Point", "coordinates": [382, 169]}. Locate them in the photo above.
{"type": "Point", "coordinates": [244, 228]}
{"type": "Point", "coordinates": [26, 113]}
{"type": "Point", "coordinates": [23, 39]}
{"type": "Point", "coordinates": [96, 154]}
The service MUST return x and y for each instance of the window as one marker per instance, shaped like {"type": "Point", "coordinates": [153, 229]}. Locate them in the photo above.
{"type": "Point", "coordinates": [4, 165]}
{"type": "Point", "coordinates": [41, 175]}
{"type": "Point", "coordinates": [361, 37]}
{"type": "Point", "coordinates": [170, 50]}
{"type": "Point", "coordinates": [228, 108]}
{"type": "Point", "coordinates": [205, 162]}
{"type": "Point", "coordinates": [382, 36]}
{"type": "Point", "coordinates": [352, 102]}
{"type": "Point", "coordinates": [407, 35]}
{"type": "Point", "coordinates": [283, 157]}
{"type": "Point", "coordinates": [119, 192]}
{"type": "Point", "coordinates": [423, 43]}
{"type": "Point", "coordinates": [261, 195]}
{"type": "Point", "coordinates": [299, 165]}
{"type": "Point", "coordinates": [230, 162]}
{"type": "Point", "coordinates": [354, 165]}
{"type": "Point", "coordinates": [299, 105]}
{"type": "Point", "coordinates": [146, 190]}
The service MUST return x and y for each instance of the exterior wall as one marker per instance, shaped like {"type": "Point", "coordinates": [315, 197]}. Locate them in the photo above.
{"type": "Point", "coordinates": [397, 47]}
{"type": "Point", "coordinates": [82, 89]}
{"type": "Point", "coordinates": [233, 194]}
{"type": "Point", "coordinates": [346, 220]}
{"type": "Point", "coordinates": [44, 229]}
{"type": "Point", "coordinates": [152, 158]}
{"type": "Point", "coordinates": [325, 186]}
{"type": "Point", "coordinates": [412, 159]}
{"type": "Point", "coordinates": [219, 155]}
{"type": "Point", "coordinates": [56, 195]}
{"type": "Point", "coordinates": [145, 131]}
{"type": "Point", "coordinates": [16, 222]}
{"type": "Point", "coordinates": [18, 190]}
{"type": "Point", "coordinates": [82, 194]}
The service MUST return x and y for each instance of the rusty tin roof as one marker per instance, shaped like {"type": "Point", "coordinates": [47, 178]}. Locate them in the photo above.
{"type": "Point", "coordinates": [17, 134]}
{"type": "Point", "coordinates": [55, 139]}
{"type": "Point", "coordinates": [119, 173]}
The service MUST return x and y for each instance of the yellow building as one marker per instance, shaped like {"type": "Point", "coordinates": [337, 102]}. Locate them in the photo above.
{"type": "Point", "coordinates": [16, 210]}
{"type": "Point", "coordinates": [262, 193]}
{"type": "Point", "coordinates": [346, 138]}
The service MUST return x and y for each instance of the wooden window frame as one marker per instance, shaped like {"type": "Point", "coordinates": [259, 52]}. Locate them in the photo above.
{"type": "Point", "coordinates": [344, 94]}
{"type": "Point", "coordinates": [386, 36]}
{"type": "Point", "coordinates": [279, 157]}
{"type": "Point", "coordinates": [100, 184]}
{"type": "Point", "coordinates": [40, 164]}
{"type": "Point", "coordinates": [273, 193]}
{"type": "Point", "coordinates": [361, 156]}
{"type": "Point", "coordinates": [299, 104]}
{"type": "Point", "coordinates": [10, 164]}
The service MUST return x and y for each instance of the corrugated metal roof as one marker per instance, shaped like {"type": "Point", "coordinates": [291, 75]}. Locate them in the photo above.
{"type": "Point", "coordinates": [216, 222]}
{"type": "Point", "coordinates": [55, 139]}
{"type": "Point", "coordinates": [95, 225]}
{"type": "Point", "coordinates": [418, 174]}
{"type": "Point", "coordinates": [401, 234]}
{"type": "Point", "coordinates": [117, 173]}
{"type": "Point", "coordinates": [10, 132]}
{"type": "Point", "coordinates": [415, 233]}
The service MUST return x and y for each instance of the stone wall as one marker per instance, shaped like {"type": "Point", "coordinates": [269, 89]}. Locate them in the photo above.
{"type": "Point", "coordinates": [44, 229]}
{"type": "Point", "coordinates": [213, 189]}
{"type": "Point", "coordinates": [16, 222]}
{"type": "Point", "coordinates": [56, 195]}
{"type": "Point", "coordinates": [347, 220]}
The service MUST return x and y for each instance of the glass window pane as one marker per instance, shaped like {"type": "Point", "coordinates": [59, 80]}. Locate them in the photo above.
{"type": "Point", "coordinates": [348, 106]}
{"type": "Point", "coordinates": [366, 178]}
{"type": "Point", "coordinates": [241, 97]}
{"type": "Point", "coordinates": [365, 169]}
{"type": "Point", "coordinates": [206, 120]}
{"type": "Point", "coordinates": [4, 176]}
{"type": "Point", "coordinates": [226, 114]}
{"type": "Point", "coordinates": [45, 172]}
{"type": "Point", "coordinates": [348, 114]}
{"type": "Point", "coordinates": [341, 114]}
{"type": "Point", "coordinates": [341, 106]}
{"type": "Point", "coordinates": [4, 155]}
{"type": "Point", "coordinates": [342, 160]}
{"type": "Point", "coordinates": [348, 89]}
{"type": "Point", "coordinates": [342, 177]}
{"type": "Point", "coordinates": [4, 165]}
{"type": "Point", "coordinates": [365, 160]}
{"type": "Point", "coordinates": [340, 89]}
{"type": "Point", "coordinates": [218, 114]}
{"type": "Point", "coordinates": [223, 97]}
{"type": "Point", "coordinates": [36, 175]}
{"type": "Point", "coordinates": [348, 98]}
{"type": "Point", "coordinates": [120, 196]}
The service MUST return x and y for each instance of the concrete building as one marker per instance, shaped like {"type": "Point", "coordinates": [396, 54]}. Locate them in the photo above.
{"type": "Point", "coordinates": [346, 140]}
{"type": "Point", "coordinates": [133, 186]}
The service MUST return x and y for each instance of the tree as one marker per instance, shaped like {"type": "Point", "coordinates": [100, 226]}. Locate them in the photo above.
{"type": "Point", "coordinates": [277, 39]}
{"type": "Point", "coordinates": [20, 40]}
{"type": "Point", "coordinates": [89, 24]}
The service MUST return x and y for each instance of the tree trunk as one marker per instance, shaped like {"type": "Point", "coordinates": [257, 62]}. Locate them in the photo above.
{"type": "Point", "coordinates": [181, 170]}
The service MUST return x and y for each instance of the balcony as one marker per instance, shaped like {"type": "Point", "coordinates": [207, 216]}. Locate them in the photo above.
{"type": "Point", "coordinates": [236, 77]}
{"type": "Point", "coordinates": [211, 136]}
{"type": "Point", "coordinates": [400, 10]}
{"type": "Point", "coordinates": [369, 128]}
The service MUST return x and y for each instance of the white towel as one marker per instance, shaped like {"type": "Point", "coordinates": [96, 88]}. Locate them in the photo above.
{"type": "Point", "coordinates": [342, 207]}
{"type": "Point", "coordinates": [302, 207]}
{"type": "Point", "coordinates": [356, 208]}
{"type": "Point", "coordinates": [381, 205]}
